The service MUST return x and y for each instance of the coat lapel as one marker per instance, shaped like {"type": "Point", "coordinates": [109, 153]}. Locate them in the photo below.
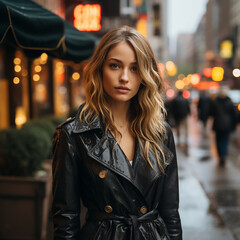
{"type": "Point", "coordinates": [108, 153]}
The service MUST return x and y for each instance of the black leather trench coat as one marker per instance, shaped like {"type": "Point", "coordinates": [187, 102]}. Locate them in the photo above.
{"type": "Point", "coordinates": [123, 201]}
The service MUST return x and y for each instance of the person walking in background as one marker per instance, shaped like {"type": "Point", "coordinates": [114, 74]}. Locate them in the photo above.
{"type": "Point", "coordinates": [203, 109]}
{"type": "Point", "coordinates": [118, 154]}
{"type": "Point", "coordinates": [180, 109]}
{"type": "Point", "coordinates": [224, 122]}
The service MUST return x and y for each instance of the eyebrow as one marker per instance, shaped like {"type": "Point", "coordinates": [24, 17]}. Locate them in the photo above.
{"type": "Point", "coordinates": [117, 60]}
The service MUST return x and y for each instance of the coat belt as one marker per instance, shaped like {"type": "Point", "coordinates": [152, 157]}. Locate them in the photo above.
{"type": "Point", "coordinates": [132, 220]}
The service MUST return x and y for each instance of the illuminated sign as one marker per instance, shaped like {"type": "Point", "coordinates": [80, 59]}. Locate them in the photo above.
{"type": "Point", "coordinates": [87, 17]}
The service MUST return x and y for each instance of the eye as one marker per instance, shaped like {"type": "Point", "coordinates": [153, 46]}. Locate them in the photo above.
{"type": "Point", "coordinates": [114, 66]}
{"type": "Point", "coordinates": [134, 69]}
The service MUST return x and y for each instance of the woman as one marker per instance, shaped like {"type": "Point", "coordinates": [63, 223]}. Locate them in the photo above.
{"type": "Point", "coordinates": [117, 154]}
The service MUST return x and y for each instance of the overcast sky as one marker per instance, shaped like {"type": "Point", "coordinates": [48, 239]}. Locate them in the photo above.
{"type": "Point", "coordinates": [183, 17]}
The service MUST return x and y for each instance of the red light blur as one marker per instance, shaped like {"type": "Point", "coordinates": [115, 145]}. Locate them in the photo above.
{"type": "Point", "coordinates": [170, 93]}
{"type": "Point", "coordinates": [207, 85]}
{"type": "Point", "coordinates": [186, 94]}
{"type": "Point", "coordinates": [207, 72]}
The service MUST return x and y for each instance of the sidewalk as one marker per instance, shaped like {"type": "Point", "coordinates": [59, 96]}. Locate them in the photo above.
{"type": "Point", "coordinates": [209, 195]}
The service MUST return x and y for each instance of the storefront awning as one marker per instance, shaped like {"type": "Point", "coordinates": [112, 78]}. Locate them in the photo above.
{"type": "Point", "coordinates": [35, 30]}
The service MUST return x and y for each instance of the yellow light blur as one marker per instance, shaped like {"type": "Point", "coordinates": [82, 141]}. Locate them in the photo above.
{"type": "Point", "coordinates": [44, 57]}
{"type": "Point", "coordinates": [171, 68]}
{"type": "Point", "coordinates": [75, 76]}
{"type": "Point", "coordinates": [41, 93]}
{"type": "Point", "coordinates": [142, 26]}
{"type": "Point", "coordinates": [217, 74]}
{"type": "Point", "coordinates": [16, 80]}
{"type": "Point", "coordinates": [179, 84]}
{"type": "Point", "coordinates": [236, 72]}
{"type": "Point", "coordinates": [20, 117]}
{"type": "Point", "coordinates": [189, 76]}
{"type": "Point", "coordinates": [186, 81]}
{"type": "Point", "coordinates": [36, 77]}
{"type": "Point", "coordinates": [16, 60]}
{"type": "Point", "coordinates": [226, 49]}
{"type": "Point", "coordinates": [60, 68]}
{"type": "Point", "coordinates": [17, 68]}
{"type": "Point", "coordinates": [59, 64]}
{"type": "Point", "coordinates": [38, 68]}
{"type": "Point", "coordinates": [239, 107]}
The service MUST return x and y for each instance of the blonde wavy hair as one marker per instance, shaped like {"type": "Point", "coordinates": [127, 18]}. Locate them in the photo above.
{"type": "Point", "coordinates": [147, 107]}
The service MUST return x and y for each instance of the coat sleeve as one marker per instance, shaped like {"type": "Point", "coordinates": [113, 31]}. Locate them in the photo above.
{"type": "Point", "coordinates": [66, 192]}
{"type": "Point", "coordinates": [169, 203]}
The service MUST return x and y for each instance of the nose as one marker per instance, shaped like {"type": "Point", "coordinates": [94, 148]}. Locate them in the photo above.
{"type": "Point", "coordinates": [124, 75]}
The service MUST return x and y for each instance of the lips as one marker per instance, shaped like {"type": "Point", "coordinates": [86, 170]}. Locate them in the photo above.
{"type": "Point", "coordinates": [122, 88]}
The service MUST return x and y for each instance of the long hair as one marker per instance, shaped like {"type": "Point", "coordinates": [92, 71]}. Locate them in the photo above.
{"type": "Point", "coordinates": [147, 106]}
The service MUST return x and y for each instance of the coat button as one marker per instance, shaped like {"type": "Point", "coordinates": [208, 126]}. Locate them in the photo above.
{"type": "Point", "coordinates": [143, 209]}
{"type": "Point", "coordinates": [108, 209]}
{"type": "Point", "coordinates": [102, 174]}
{"type": "Point", "coordinates": [88, 141]}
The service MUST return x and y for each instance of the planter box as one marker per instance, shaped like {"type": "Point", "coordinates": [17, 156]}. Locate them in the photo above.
{"type": "Point", "coordinates": [24, 207]}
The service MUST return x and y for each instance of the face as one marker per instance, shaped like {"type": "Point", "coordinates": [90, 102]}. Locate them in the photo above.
{"type": "Point", "coordinates": [121, 79]}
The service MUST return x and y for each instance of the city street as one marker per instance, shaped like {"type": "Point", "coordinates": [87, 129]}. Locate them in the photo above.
{"type": "Point", "coordinates": [209, 194]}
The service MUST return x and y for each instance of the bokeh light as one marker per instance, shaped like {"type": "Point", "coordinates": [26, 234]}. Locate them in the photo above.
{"type": "Point", "coordinates": [217, 74]}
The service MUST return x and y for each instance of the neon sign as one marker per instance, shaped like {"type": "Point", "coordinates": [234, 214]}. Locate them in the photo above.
{"type": "Point", "coordinates": [87, 17]}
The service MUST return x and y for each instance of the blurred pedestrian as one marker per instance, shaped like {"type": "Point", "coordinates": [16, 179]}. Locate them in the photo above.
{"type": "Point", "coordinates": [118, 153]}
{"type": "Point", "coordinates": [169, 116]}
{"type": "Point", "coordinates": [224, 122]}
{"type": "Point", "coordinates": [203, 109]}
{"type": "Point", "coordinates": [180, 108]}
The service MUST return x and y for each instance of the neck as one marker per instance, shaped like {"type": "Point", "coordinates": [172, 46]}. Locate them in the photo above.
{"type": "Point", "coordinates": [120, 113]}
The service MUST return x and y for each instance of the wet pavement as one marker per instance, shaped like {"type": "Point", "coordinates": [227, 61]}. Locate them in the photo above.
{"type": "Point", "coordinates": [209, 194]}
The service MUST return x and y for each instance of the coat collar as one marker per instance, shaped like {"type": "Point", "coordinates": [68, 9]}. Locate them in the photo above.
{"type": "Point", "coordinates": [107, 152]}
{"type": "Point", "coordinates": [80, 126]}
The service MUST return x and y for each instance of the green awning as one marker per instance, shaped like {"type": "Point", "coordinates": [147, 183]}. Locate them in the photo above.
{"type": "Point", "coordinates": [35, 30]}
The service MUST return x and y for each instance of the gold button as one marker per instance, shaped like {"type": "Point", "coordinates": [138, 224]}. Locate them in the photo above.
{"type": "Point", "coordinates": [143, 209]}
{"type": "Point", "coordinates": [108, 209]}
{"type": "Point", "coordinates": [88, 141]}
{"type": "Point", "coordinates": [102, 174]}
